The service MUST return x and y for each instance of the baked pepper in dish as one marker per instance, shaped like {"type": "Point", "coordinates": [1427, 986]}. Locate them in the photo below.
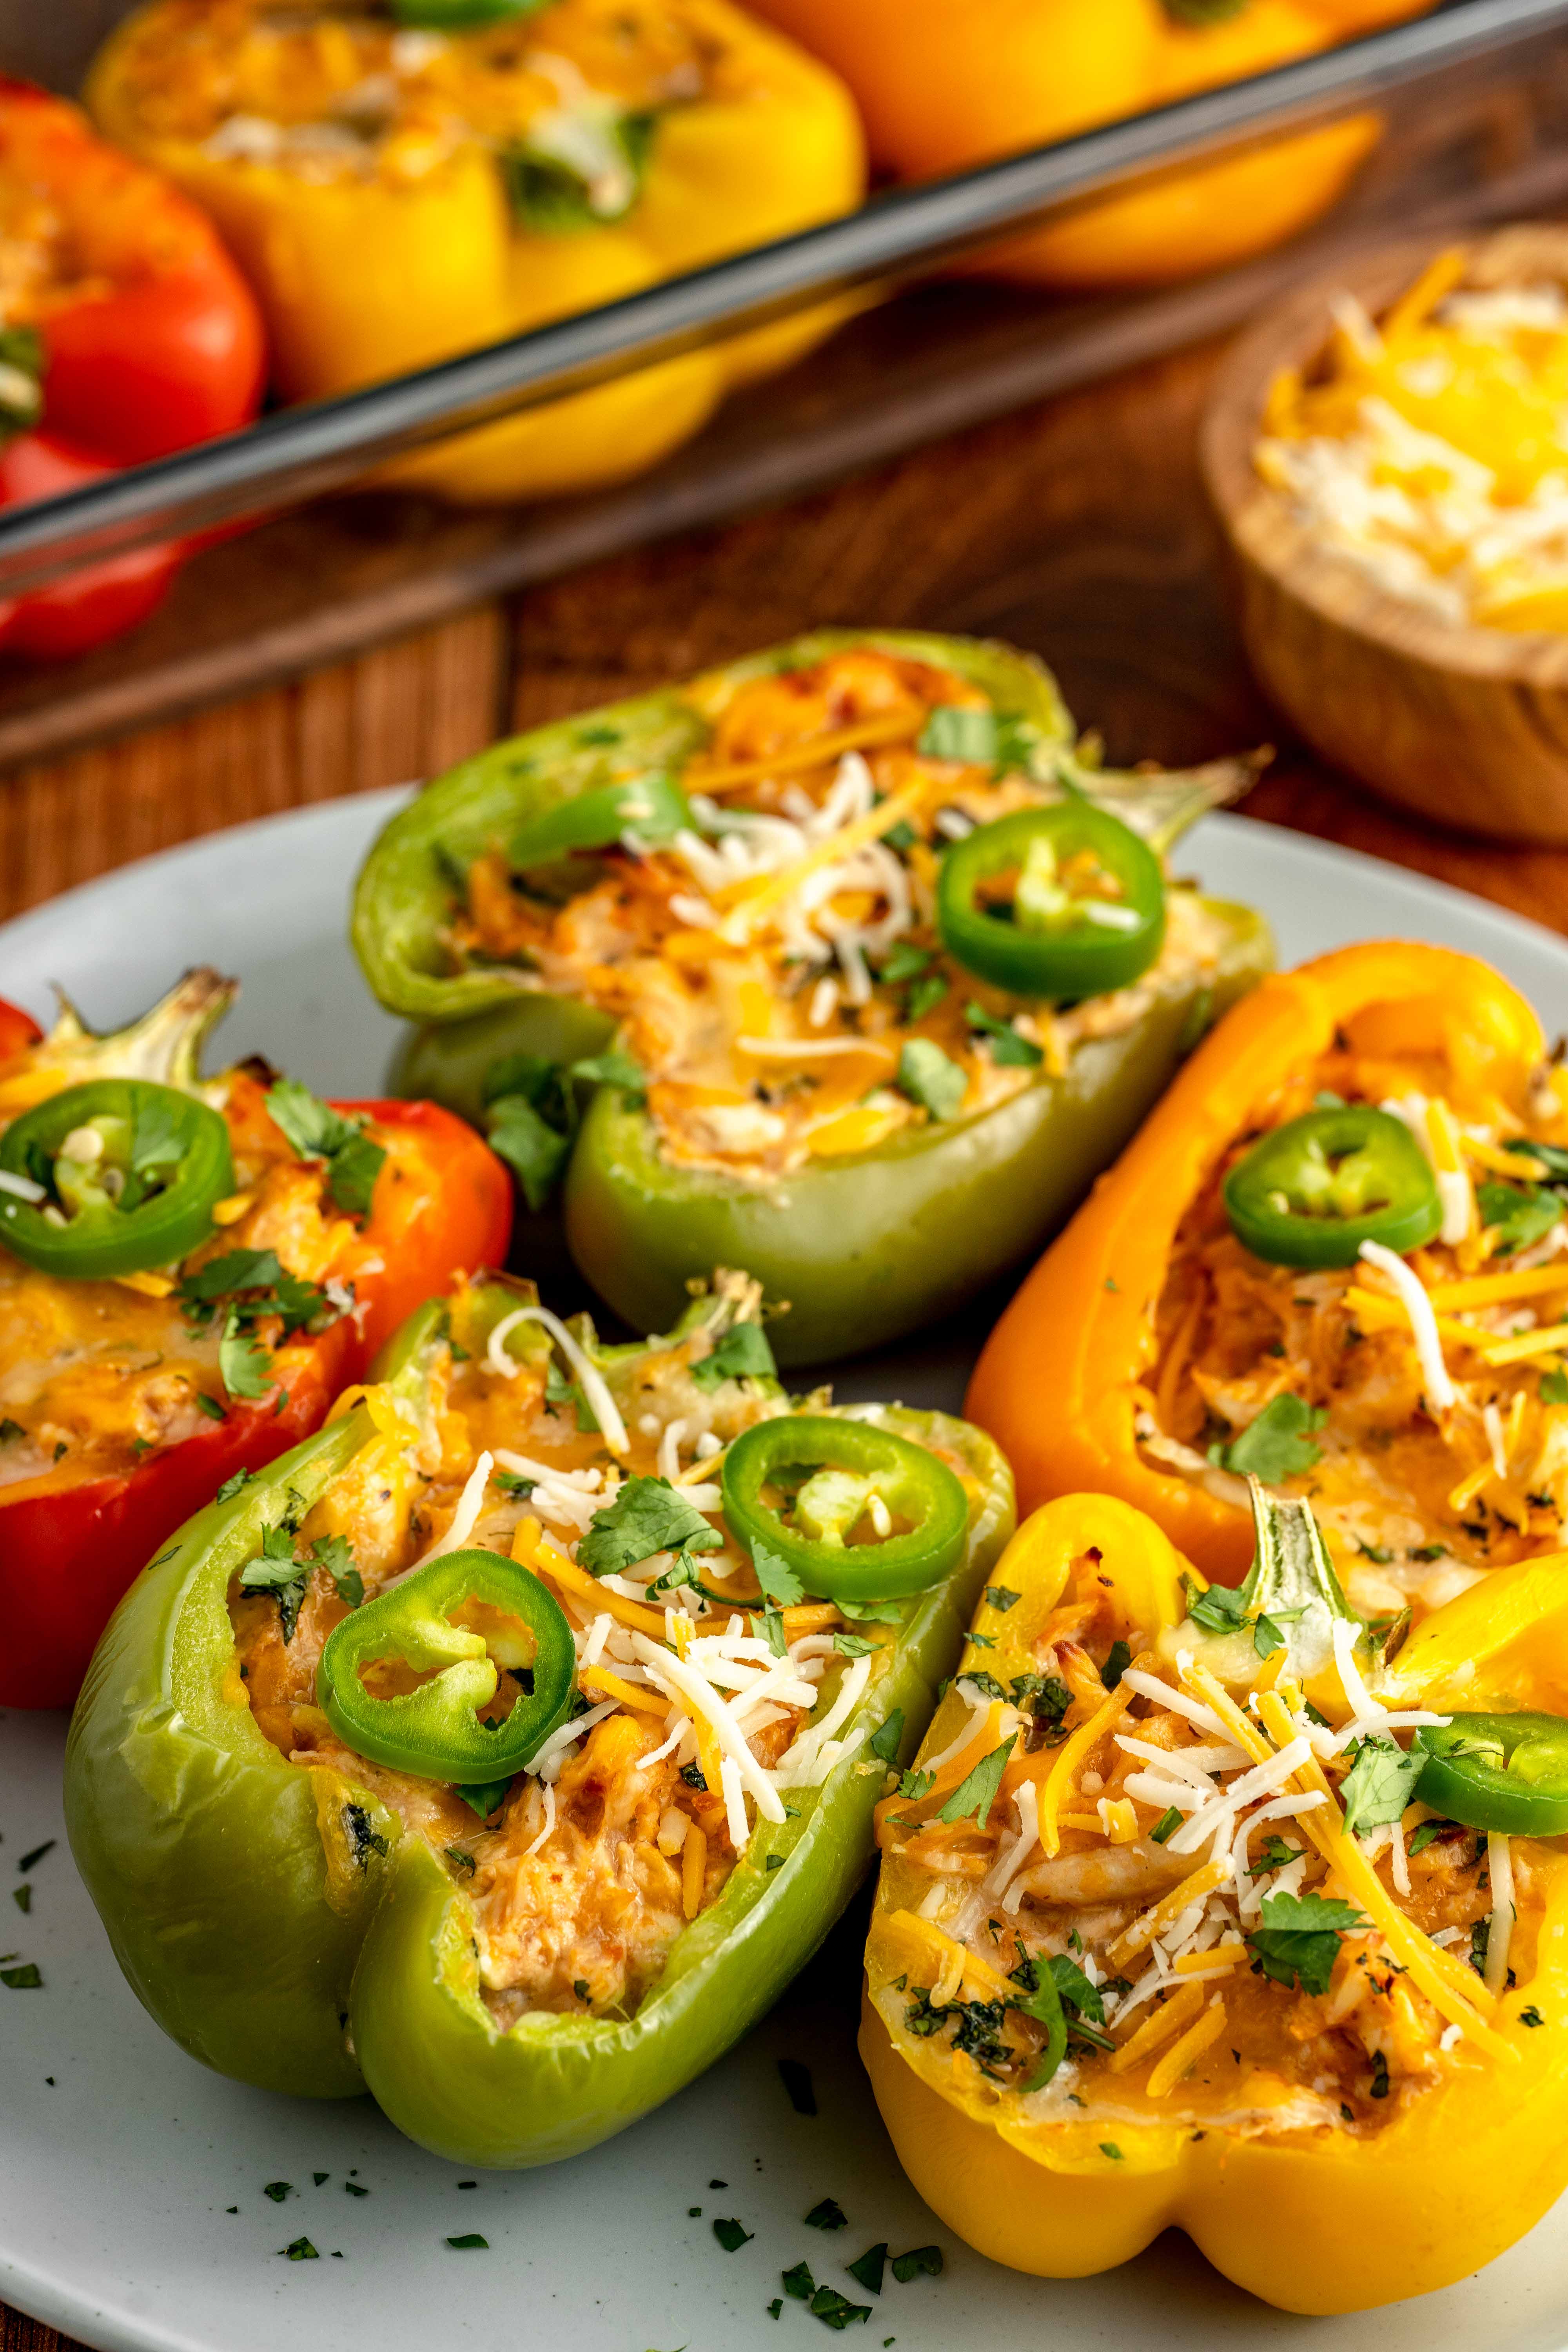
{"type": "Point", "coordinates": [190, 1270]}
{"type": "Point", "coordinates": [402, 184]}
{"type": "Point", "coordinates": [127, 333]}
{"type": "Point", "coordinates": [856, 973]}
{"type": "Point", "coordinates": [523, 1839]}
{"type": "Point", "coordinates": [1336, 1256]}
{"type": "Point", "coordinates": [942, 87]}
{"type": "Point", "coordinates": [948, 86]}
{"type": "Point", "coordinates": [1199, 1909]}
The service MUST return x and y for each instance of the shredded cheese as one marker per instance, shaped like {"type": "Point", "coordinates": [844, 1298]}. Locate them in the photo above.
{"type": "Point", "coordinates": [1157, 2026]}
{"type": "Point", "coordinates": [1183, 2054]}
{"type": "Point", "coordinates": [1499, 1927]}
{"type": "Point", "coordinates": [595, 1392]}
{"type": "Point", "coordinates": [1441, 1393]}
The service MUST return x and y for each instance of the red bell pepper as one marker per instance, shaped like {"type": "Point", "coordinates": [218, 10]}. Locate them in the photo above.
{"type": "Point", "coordinates": [69, 1544]}
{"type": "Point", "coordinates": [129, 334]}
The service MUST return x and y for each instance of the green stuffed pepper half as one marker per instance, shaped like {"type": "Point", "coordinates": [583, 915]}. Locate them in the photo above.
{"type": "Point", "coordinates": [839, 963]}
{"type": "Point", "coordinates": [506, 1748]}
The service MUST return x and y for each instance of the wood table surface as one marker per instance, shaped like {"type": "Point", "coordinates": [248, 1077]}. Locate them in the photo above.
{"type": "Point", "coordinates": [1077, 528]}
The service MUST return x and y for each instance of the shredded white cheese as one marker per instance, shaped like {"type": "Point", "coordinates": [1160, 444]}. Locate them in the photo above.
{"type": "Point", "coordinates": [1441, 1393]}
{"type": "Point", "coordinates": [1499, 1927]}
{"type": "Point", "coordinates": [595, 1392]}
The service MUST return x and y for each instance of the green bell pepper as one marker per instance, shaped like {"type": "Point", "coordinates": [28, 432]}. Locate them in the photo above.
{"type": "Point", "coordinates": [865, 1247]}
{"type": "Point", "coordinates": [281, 1924]}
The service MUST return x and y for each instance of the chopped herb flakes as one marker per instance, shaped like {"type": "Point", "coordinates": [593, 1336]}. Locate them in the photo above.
{"type": "Point", "coordinates": [300, 2250]}
{"type": "Point", "coordinates": [470, 2240]}
{"type": "Point", "coordinates": [836, 2310]}
{"type": "Point", "coordinates": [1380, 1784]}
{"type": "Point", "coordinates": [278, 2190]}
{"type": "Point", "coordinates": [883, 1743]}
{"type": "Point", "coordinates": [799, 2283]}
{"type": "Point", "coordinates": [827, 2215]}
{"type": "Point", "coordinates": [25, 1978]}
{"type": "Point", "coordinates": [868, 2270]}
{"type": "Point", "coordinates": [31, 1861]}
{"type": "Point", "coordinates": [920, 2262]}
{"type": "Point", "coordinates": [352, 2188]}
{"type": "Point", "coordinates": [742, 1354]}
{"type": "Point", "coordinates": [1002, 1596]}
{"type": "Point", "coordinates": [1277, 1445]}
{"type": "Point", "coordinates": [22, 1896]}
{"type": "Point", "coordinates": [646, 1515]}
{"type": "Point", "coordinates": [1299, 1940]}
{"type": "Point", "coordinates": [732, 2235]}
{"type": "Point", "coordinates": [931, 1079]}
{"type": "Point", "coordinates": [977, 1793]}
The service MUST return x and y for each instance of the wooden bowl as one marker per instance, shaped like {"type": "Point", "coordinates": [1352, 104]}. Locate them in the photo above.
{"type": "Point", "coordinates": [1469, 726]}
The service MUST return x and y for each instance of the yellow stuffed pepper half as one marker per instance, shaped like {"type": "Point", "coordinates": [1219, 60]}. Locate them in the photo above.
{"type": "Point", "coordinates": [1222, 1910]}
{"type": "Point", "coordinates": [405, 182]}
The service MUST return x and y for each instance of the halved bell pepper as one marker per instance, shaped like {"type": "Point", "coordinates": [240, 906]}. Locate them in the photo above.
{"type": "Point", "coordinates": [135, 1425]}
{"type": "Point", "coordinates": [282, 1923]}
{"type": "Point", "coordinates": [129, 333]}
{"type": "Point", "coordinates": [1292, 2096]}
{"type": "Point", "coordinates": [407, 185]}
{"type": "Point", "coordinates": [1066, 1373]}
{"type": "Point", "coordinates": [882, 1236]}
{"type": "Point", "coordinates": [942, 87]}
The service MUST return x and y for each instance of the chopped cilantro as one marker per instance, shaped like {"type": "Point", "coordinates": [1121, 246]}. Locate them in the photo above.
{"type": "Point", "coordinates": [364, 1839]}
{"type": "Point", "coordinates": [334, 1554]}
{"type": "Point", "coordinates": [1278, 1444]}
{"type": "Point", "coordinates": [612, 1069]}
{"type": "Point", "coordinates": [868, 2270]}
{"type": "Point", "coordinates": [930, 1078]}
{"type": "Point", "coordinates": [1118, 1659]}
{"type": "Point", "coordinates": [828, 2214]}
{"type": "Point", "coordinates": [278, 2190]}
{"type": "Point", "coordinates": [977, 1793]}
{"type": "Point", "coordinates": [520, 1132]}
{"type": "Point", "coordinates": [319, 1132]}
{"type": "Point", "coordinates": [31, 1860]}
{"type": "Point", "coordinates": [1379, 2076]}
{"type": "Point", "coordinates": [1003, 1597]}
{"type": "Point", "coordinates": [776, 2306]}
{"type": "Point", "coordinates": [916, 1785]}
{"type": "Point", "coordinates": [10, 1431]}
{"type": "Point", "coordinates": [1299, 1940]}
{"type": "Point", "coordinates": [1530, 2017]}
{"type": "Point", "coordinates": [799, 2283]}
{"type": "Point", "coordinates": [232, 1486]}
{"type": "Point", "coordinates": [243, 1365]}
{"type": "Point", "coordinates": [1108, 2147]}
{"type": "Point", "coordinates": [275, 1570]}
{"type": "Point", "coordinates": [732, 2235]}
{"type": "Point", "coordinates": [1008, 1050]}
{"type": "Point", "coordinates": [1421, 1836]}
{"type": "Point", "coordinates": [353, 2189]}
{"type": "Point", "coordinates": [468, 2241]}
{"type": "Point", "coordinates": [1520, 1213]}
{"type": "Point", "coordinates": [210, 1406]}
{"type": "Point", "coordinates": [1554, 1386]}
{"type": "Point", "coordinates": [952, 731]}
{"type": "Point", "coordinates": [300, 2250]}
{"type": "Point", "coordinates": [1380, 1784]}
{"type": "Point", "coordinates": [646, 1515]}
{"type": "Point", "coordinates": [484, 1796]}
{"type": "Point", "coordinates": [25, 1978]}
{"type": "Point", "coordinates": [512, 1483]}
{"type": "Point", "coordinates": [22, 1896]}
{"type": "Point", "coordinates": [742, 1354]}
{"type": "Point", "coordinates": [925, 995]}
{"type": "Point", "coordinates": [903, 962]}
{"type": "Point", "coordinates": [1219, 1609]}
{"type": "Point", "coordinates": [854, 1645]}
{"type": "Point", "coordinates": [884, 1741]}
{"type": "Point", "coordinates": [778, 1580]}
{"type": "Point", "coordinates": [836, 2310]}
{"type": "Point", "coordinates": [1273, 1854]}
{"type": "Point", "coordinates": [920, 2262]}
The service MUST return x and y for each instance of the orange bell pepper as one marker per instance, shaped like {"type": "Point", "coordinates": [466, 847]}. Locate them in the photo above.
{"type": "Point", "coordinates": [1058, 1384]}
{"type": "Point", "coordinates": [944, 85]}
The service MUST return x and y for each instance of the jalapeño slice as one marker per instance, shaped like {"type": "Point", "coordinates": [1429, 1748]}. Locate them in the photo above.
{"type": "Point", "coordinates": [1061, 902]}
{"type": "Point", "coordinates": [1318, 1187]}
{"type": "Point", "coordinates": [858, 1514]}
{"type": "Point", "coordinates": [113, 1178]}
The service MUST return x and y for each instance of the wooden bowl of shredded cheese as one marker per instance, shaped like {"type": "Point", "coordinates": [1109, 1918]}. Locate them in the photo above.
{"type": "Point", "coordinates": [1388, 454]}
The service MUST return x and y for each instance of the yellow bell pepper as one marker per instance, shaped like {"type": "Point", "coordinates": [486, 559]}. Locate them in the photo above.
{"type": "Point", "coordinates": [1210, 2109]}
{"type": "Point", "coordinates": [399, 195]}
{"type": "Point", "coordinates": [942, 86]}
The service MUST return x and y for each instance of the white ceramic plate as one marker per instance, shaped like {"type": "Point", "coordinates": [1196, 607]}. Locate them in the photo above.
{"type": "Point", "coordinates": [120, 2160]}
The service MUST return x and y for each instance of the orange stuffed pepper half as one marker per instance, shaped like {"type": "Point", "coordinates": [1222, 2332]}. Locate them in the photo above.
{"type": "Point", "coordinates": [1336, 1258]}
{"type": "Point", "coordinates": [1218, 1916]}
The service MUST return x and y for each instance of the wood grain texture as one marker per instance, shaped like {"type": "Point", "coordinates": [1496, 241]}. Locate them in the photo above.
{"type": "Point", "coordinates": [1079, 529]}
{"type": "Point", "coordinates": [1466, 722]}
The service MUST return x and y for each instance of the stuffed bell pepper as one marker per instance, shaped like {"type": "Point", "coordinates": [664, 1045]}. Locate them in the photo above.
{"type": "Point", "coordinates": [1237, 1924]}
{"type": "Point", "coordinates": [126, 332]}
{"type": "Point", "coordinates": [1337, 1257]}
{"type": "Point", "coordinates": [190, 1270]}
{"type": "Point", "coordinates": [942, 86]}
{"type": "Point", "coordinates": [837, 964]}
{"type": "Point", "coordinates": [406, 182]}
{"type": "Point", "coordinates": [507, 1747]}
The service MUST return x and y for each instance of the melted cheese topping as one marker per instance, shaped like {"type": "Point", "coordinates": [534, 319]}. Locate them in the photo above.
{"type": "Point", "coordinates": [343, 93]}
{"type": "Point", "coordinates": [1418, 1488]}
{"type": "Point", "coordinates": [1162, 1928]}
{"type": "Point", "coordinates": [631, 1818]}
{"type": "Point", "coordinates": [1431, 449]}
{"type": "Point", "coordinates": [97, 1376]}
{"type": "Point", "coordinates": [769, 970]}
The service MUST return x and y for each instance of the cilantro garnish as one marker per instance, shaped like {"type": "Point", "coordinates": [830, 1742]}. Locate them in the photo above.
{"type": "Point", "coordinates": [1278, 1444]}
{"type": "Point", "coordinates": [868, 2270]}
{"type": "Point", "coordinates": [647, 1517]}
{"type": "Point", "coordinates": [836, 2310]}
{"type": "Point", "coordinates": [470, 2241]}
{"type": "Point", "coordinates": [1421, 1836]}
{"type": "Point", "coordinates": [278, 2190]}
{"type": "Point", "coordinates": [916, 1785]}
{"type": "Point", "coordinates": [1008, 1050]}
{"type": "Point", "coordinates": [1380, 1784]}
{"type": "Point", "coordinates": [742, 1354]}
{"type": "Point", "coordinates": [1119, 1657]}
{"type": "Point", "coordinates": [231, 1486]}
{"type": "Point", "coordinates": [883, 1743]}
{"type": "Point", "coordinates": [920, 2261]}
{"type": "Point", "coordinates": [1003, 1597]}
{"type": "Point", "coordinates": [929, 1078]}
{"type": "Point", "coordinates": [1220, 1609]}
{"type": "Point", "coordinates": [1554, 1386]}
{"type": "Point", "coordinates": [1274, 1854]}
{"type": "Point", "coordinates": [275, 1570]}
{"type": "Point", "coordinates": [1168, 1823]}
{"type": "Point", "coordinates": [300, 2250]}
{"type": "Point", "coordinates": [30, 1860]}
{"type": "Point", "coordinates": [518, 1132]}
{"type": "Point", "coordinates": [1520, 1214]}
{"type": "Point", "coordinates": [732, 2235]}
{"type": "Point", "coordinates": [319, 1132]}
{"type": "Point", "coordinates": [25, 1979]}
{"type": "Point", "coordinates": [1299, 1940]}
{"type": "Point", "coordinates": [777, 1579]}
{"type": "Point", "coordinates": [243, 1365]}
{"type": "Point", "coordinates": [797, 2080]}
{"type": "Point", "coordinates": [799, 2283]}
{"type": "Point", "coordinates": [977, 1793]}
{"type": "Point", "coordinates": [828, 2214]}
